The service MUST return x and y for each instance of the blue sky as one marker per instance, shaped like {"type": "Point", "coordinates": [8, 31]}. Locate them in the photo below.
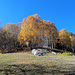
{"type": "Point", "coordinates": [61, 12]}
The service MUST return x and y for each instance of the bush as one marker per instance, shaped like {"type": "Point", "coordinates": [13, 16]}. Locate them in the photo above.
{"type": "Point", "coordinates": [58, 53]}
{"type": "Point", "coordinates": [67, 53]}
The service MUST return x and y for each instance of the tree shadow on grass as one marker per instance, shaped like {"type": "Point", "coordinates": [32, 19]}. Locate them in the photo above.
{"type": "Point", "coordinates": [32, 69]}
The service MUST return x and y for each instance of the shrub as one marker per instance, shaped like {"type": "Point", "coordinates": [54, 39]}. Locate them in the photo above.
{"type": "Point", "coordinates": [67, 53]}
{"type": "Point", "coordinates": [58, 53]}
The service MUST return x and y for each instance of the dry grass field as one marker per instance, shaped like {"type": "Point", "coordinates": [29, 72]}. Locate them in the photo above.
{"type": "Point", "coordinates": [25, 63]}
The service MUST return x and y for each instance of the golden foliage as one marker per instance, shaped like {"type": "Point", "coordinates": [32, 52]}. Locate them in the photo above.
{"type": "Point", "coordinates": [64, 37]}
{"type": "Point", "coordinates": [33, 28]}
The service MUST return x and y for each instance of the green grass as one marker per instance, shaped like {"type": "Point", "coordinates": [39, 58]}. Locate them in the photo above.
{"type": "Point", "coordinates": [24, 63]}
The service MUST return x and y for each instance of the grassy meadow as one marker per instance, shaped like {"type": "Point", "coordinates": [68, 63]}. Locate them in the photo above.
{"type": "Point", "coordinates": [25, 63]}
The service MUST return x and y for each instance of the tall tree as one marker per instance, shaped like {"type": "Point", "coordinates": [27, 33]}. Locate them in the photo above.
{"type": "Point", "coordinates": [72, 43]}
{"type": "Point", "coordinates": [8, 38]}
{"type": "Point", "coordinates": [34, 30]}
{"type": "Point", "coordinates": [30, 30]}
{"type": "Point", "coordinates": [64, 39]}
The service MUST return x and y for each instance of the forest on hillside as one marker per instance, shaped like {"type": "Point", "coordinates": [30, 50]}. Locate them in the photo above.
{"type": "Point", "coordinates": [34, 32]}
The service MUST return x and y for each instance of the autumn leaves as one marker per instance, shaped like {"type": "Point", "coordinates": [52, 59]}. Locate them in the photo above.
{"type": "Point", "coordinates": [35, 32]}
{"type": "Point", "coordinates": [66, 40]}
{"type": "Point", "coordinates": [34, 29]}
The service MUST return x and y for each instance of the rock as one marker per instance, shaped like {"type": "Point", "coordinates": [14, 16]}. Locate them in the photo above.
{"type": "Point", "coordinates": [38, 52]}
{"type": "Point", "coordinates": [33, 50]}
{"type": "Point", "coordinates": [54, 53]}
